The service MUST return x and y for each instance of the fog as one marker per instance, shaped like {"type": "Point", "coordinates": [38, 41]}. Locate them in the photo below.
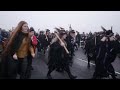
{"type": "Point", "coordinates": [82, 21]}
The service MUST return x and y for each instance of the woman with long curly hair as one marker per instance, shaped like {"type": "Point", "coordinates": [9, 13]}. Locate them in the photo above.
{"type": "Point", "coordinates": [15, 54]}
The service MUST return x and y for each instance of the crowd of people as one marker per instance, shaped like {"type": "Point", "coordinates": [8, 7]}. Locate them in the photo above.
{"type": "Point", "coordinates": [103, 47]}
{"type": "Point", "coordinates": [18, 48]}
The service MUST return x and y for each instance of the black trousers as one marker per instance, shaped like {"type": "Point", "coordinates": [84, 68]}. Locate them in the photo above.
{"type": "Point", "coordinates": [29, 66]}
{"type": "Point", "coordinates": [29, 60]}
{"type": "Point", "coordinates": [10, 68]}
{"type": "Point", "coordinates": [65, 68]}
{"type": "Point", "coordinates": [78, 44]}
{"type": "Point", "coordinates": [22, 68]}
{"type": "Point", "coordinates": [100, 70]}
{"type": "Point", "coordinates": [108, 65]}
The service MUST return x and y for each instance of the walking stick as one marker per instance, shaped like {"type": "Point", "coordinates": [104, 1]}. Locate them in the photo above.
{"type": "Point", "coordinates": [95, 39]}
{"type": "Point", "coordinates": [62, 42]}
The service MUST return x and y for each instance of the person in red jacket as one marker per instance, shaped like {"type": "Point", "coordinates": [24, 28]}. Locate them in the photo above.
{"type": "Point", "coordinates": [34, 41]}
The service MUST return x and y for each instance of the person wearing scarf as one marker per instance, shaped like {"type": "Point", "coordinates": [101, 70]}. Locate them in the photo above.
{"type": "Point", "coordinates": [14, 57]}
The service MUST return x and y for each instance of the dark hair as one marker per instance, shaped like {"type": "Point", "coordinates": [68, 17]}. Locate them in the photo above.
{"type": "Point", "coordinates": [109, 32]}
{"type": "Point", "coordinates": [31, 29]}
{"type": "Point", "coordinates": [72, 31]}
{"type": "Point", "coordinates": [47, 30]}
{"type": "Point", "coordinates": [62, 32]}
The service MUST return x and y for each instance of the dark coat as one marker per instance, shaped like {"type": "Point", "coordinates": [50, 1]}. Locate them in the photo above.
{"type": "Point", "coordinates": [106, 55]}
{"type": "Point", "coordinates": [43, 40]}
{"type": "Point", "coordinates": [58, 58]}
{"type": "Point", "coordinates": [8, 63]}
{"type": "Point", "coordinates": [70, 44]}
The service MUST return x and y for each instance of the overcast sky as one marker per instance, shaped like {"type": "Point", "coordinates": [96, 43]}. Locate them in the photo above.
{"type": "Point", "coordinates": [80, 20]}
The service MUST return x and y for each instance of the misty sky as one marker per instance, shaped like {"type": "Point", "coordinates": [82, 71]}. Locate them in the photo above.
{"type": "Point", "coordinates": [83, 21]}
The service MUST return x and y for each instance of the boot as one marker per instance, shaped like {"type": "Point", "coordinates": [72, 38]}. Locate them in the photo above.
{"type": "Point", "coordinates": [69, 73]}
{"type": "Point", "coordinates": [59, 70]}
{"type": "Point", "coordinates": [94, 77]}
{"type": "Point", "coordinates": [113, 77]}
{"type": "Point", "coordinates": [49, 76]}
{"type": "Point", "coordinates": [72, 77]}
{"type": "Point", "coordinates": [88, 65]}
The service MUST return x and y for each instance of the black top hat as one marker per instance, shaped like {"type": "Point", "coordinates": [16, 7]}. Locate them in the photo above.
{"type": "Point", "coordinates": [47, 30]}
{"type": "Point", "coordinates": [62, 32]}
{"type": "Point", "coordinates": [72, 31]}
{"type": "Point", "coordinates": [31, 29]}
{"type": "Point", "coordinates": [41, 31]}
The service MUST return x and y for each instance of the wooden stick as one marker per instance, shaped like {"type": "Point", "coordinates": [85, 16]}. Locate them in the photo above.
{"type": "Point", "coordinates": [46, 37]}
{"type": "Point", "coordinates": [95, 39]}
{"type": "Point", "coordinates": [62, 42]}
